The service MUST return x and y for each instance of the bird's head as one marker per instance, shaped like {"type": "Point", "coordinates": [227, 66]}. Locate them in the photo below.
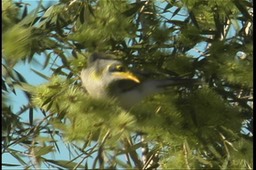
{"type": "Point", "coordinates": [107, 75]}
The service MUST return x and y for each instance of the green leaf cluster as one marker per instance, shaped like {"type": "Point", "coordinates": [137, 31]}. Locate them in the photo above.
{"type": "Point", "coordinates": [17, 42]}
{"type": "Point", "coordinates": [105, 22]}
{"type": "Point", "coordinates": [87, 117]}
{"type": "Point", "coordinates": [9, 14]}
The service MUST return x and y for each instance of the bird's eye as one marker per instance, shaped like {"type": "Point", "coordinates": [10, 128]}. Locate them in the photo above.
{"type": "Point", "coordinates": [117, 68]}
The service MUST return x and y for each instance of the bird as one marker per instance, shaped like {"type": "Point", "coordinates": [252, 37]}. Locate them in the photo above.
{"type": "Point", "coordinates": [109, 79]}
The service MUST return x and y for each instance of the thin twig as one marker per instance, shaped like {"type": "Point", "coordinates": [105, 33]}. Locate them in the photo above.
{"type": "Point", "coordinates": [186, 155]}
{"type": "Point", "coordinates": [144, 150]}
{"type": "Point", "coordinates": [134, 156]}
{"type": "Point", "coordinates": [32, 148]}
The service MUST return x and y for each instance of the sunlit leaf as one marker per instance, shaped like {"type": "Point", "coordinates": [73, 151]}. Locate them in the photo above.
{"type": "Point", "coordinates": [43, 150]}
{"type": "Point", "coordinates": [64, 164]}
{"type": "Point", "coordinates": [40, 74]}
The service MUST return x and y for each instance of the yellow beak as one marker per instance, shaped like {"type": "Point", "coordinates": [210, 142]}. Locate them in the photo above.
{"type": "Point", "coordinates": [126, 75]}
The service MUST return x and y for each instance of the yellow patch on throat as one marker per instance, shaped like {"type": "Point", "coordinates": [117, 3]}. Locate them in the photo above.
{"type": "Point", "coordinates": [97, 75]}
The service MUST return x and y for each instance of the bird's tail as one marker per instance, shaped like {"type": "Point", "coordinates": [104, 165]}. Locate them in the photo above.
{"type": "Point", "coordinates": [150, 87]}
{"type": "Point", "coordinates": [177, 81]}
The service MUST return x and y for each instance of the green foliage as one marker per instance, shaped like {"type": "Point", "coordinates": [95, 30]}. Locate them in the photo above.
{"type": "Point", "coordinates": [9, 14]}
{"type": "Point", "coordinates": [218, 112]}
{"type": "Point", "coordinates": [87, 116]}
{"type": "Point", "coordinates": [19, 37]}
{"type": "Point", "coordinates": [225, 64]}
{"type": "Point", "coordinates": [104, 24]}
{"type": "Point", "coordinates": [188, 127]}
{"type": "Point", "coordinates": [180, 64]}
